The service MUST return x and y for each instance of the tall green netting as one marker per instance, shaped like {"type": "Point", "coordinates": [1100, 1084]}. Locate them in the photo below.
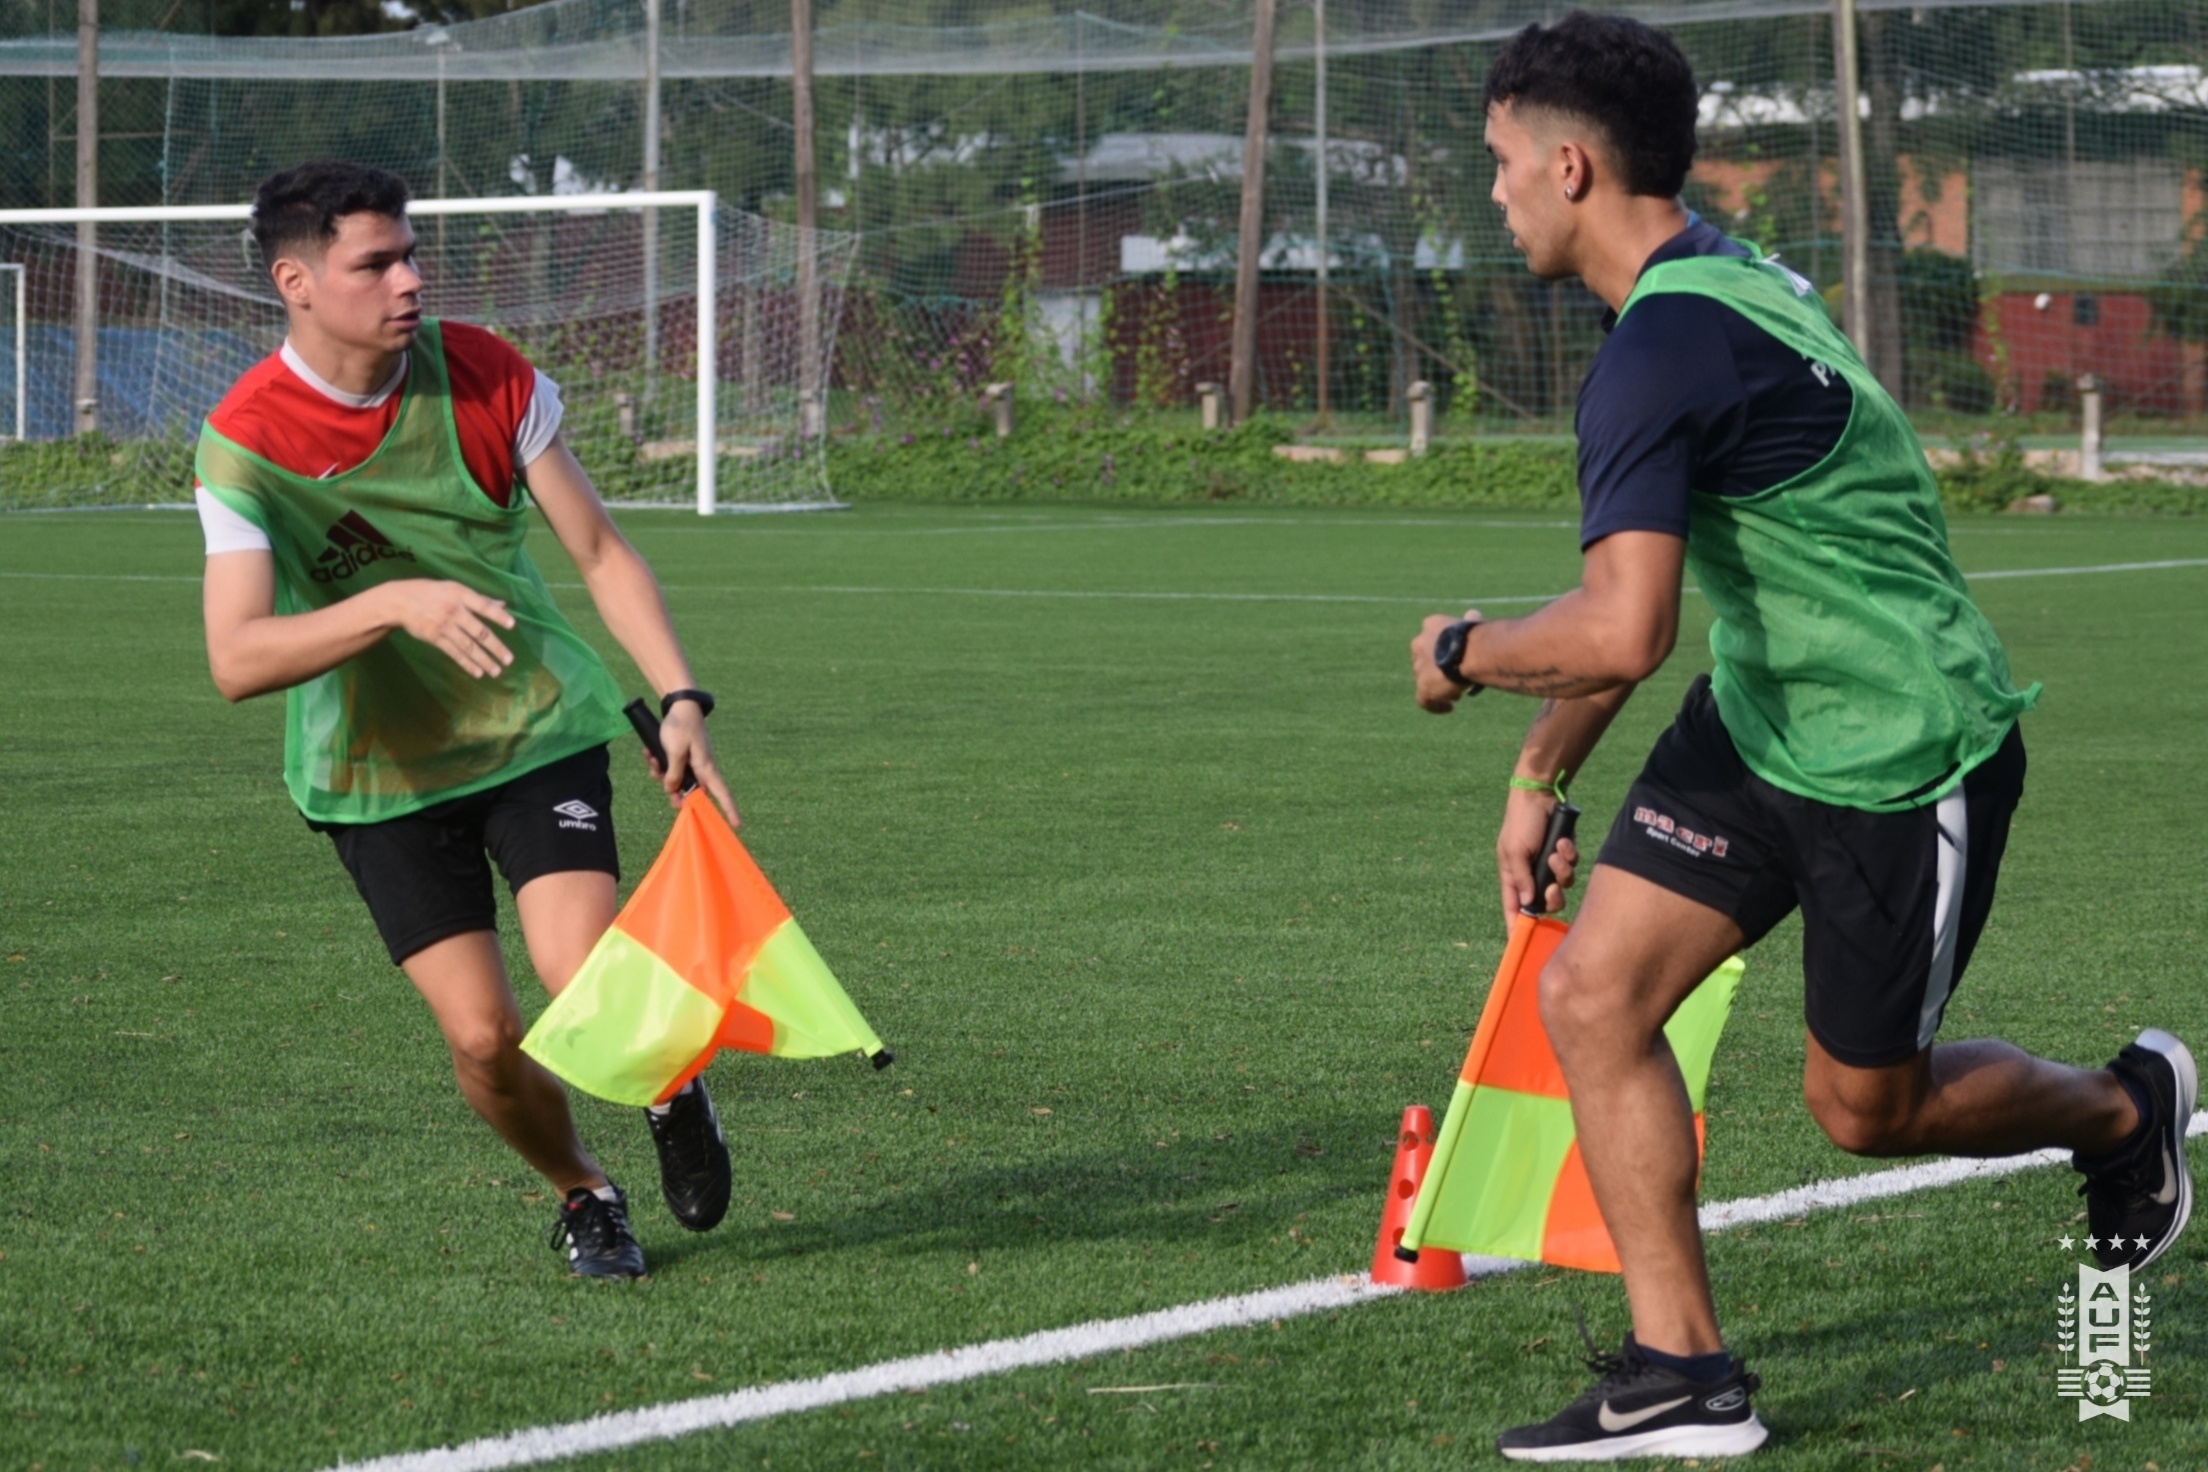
{"type": "Point", "coordinates": [1047, 196]}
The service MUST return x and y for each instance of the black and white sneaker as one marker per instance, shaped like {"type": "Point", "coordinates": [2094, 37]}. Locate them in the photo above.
{"type": "Point", "coordinates": [1639, 1410]}
{"type": "Point", "coordinates": [2137, 1200]}
{"type": "Point", "coordinates": [595, 1232]}
{"type": "Point", "coordinates": [693, 1158]}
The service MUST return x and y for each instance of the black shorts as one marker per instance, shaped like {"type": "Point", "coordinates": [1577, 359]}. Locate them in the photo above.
{"type": "Point", "coordinates": [424, 876]}
{"type": "Point", "coordinates": [1892, 903]}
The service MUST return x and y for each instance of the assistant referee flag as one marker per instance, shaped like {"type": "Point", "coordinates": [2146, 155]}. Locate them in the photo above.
{"type": "Point", "coordinates": [1506, 1178]}
{"type": "Point", "coordinates": [704, 956]}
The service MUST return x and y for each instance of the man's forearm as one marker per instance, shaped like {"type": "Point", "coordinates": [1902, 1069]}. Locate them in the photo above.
{"type": "Point", "coordinates": [278, 651]}
{"type": "Point", "coordinates": [628, 599]}
{"type": "Point", "coordinates": [1565, 652]}
{"type": "Point", "coordinates": [1564, 733]}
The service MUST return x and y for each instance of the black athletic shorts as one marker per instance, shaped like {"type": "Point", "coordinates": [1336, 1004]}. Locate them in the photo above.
{"type": "Point", "coordinates": [425, 877]}
{"type": "Point", "coordinates": [1892, 903]}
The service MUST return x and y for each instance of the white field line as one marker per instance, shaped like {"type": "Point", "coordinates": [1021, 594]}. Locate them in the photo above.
{"type": "Point", "coordinates": [887, 592]}
{"type": "Point", "coordinates": [674, 1419]}
{"type": "Point", "coordinates": [103, 577]}
{"type": "Point", "coordinates": [1111, 524]}
{"type": "Point", "coordinates": [2065, 572]}
{"type": "Point", "coordinates": [1107, 594]}
{"type": "Point", "coordinates": [1127, 595]}
{"type": "Point", "coordinates": [980, 526]}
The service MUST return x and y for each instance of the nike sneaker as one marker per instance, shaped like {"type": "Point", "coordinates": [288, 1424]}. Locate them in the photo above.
{"type": "Point", "coordinates": [1637, 1409]}
{"type": "Point", "coordinates": [2137, 1199]}
{"type": "Point", "coordinates": [693, 1158]}
{"type": "Point", "coordinates": [596, 1234]}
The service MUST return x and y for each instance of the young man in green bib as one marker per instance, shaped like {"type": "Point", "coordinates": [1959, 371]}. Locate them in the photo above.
{"type": "Point", "coordinates": [1855, 753]}
{"type": "Point", "coordinates": [365, 493]}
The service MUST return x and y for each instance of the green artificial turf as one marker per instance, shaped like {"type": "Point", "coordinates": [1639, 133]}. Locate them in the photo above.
{"type": "Point", "coordinates": [1168, 905]}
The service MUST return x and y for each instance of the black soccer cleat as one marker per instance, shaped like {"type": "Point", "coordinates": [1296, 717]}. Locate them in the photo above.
{"type": "Point", "coordinates": [596, 1234]}
{"type": "Point", "coordinates": [2137, 1200]}
{"type": "Point", "coordinates": [693, 1158]}
{"type": "Point", "coordinates": [1639, 1410]}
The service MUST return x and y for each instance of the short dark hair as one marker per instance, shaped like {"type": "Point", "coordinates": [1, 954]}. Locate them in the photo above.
{"type": "Point", "coordinates": [1626, 78]}
{"type": "Point", "coordinates": [299, 208]}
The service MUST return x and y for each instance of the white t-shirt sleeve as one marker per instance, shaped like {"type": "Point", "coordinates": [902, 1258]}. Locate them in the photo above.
{"type": "Point", "coordinates": [540, 423]}
{"type": "Point", "coordinates": [225, 530]}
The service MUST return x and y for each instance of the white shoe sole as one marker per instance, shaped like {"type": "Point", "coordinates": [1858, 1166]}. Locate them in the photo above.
{"type": "Point", "coordinates": [1733, 1440]}
{"type": "Point", "coordinates": [2180, 1059]}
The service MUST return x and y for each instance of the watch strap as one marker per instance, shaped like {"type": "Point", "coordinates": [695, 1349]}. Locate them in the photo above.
{"type": "Point", "coordinates": [1449, 653]}
{"type": "Point", "coordinates": [704, 700]}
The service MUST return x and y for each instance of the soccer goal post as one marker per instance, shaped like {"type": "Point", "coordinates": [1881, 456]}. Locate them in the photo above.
{"type": "Point", "coordinates": [670, 323]}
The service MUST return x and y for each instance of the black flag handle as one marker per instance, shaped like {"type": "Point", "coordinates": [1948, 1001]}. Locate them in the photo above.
{"type": "Point", "coordinates": [647, 731]}
{"type": "Point", "coordinates": [1562, 823]}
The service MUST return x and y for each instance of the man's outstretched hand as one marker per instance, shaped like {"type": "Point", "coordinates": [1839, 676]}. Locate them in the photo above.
{"type": "Point", "coordinates": [1434, 690]}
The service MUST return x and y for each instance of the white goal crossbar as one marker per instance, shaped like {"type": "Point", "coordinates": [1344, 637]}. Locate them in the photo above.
{"type": "Point", "coordinates": [703, 201]}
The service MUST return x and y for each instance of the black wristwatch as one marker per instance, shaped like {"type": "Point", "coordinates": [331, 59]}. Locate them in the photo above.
{"type": "Point", "coordinates": [1449, 653]}
{"type": "Point", "coordinates": [703, 698]}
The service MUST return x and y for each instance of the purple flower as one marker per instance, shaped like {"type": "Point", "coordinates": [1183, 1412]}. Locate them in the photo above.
{"type": "Point", "coordinates": [973, 444]}
{"type": "Point", "coordinates": [906, 440]}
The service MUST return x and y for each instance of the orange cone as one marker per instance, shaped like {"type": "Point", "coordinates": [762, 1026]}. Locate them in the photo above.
{"type": "Point", "coordinates": [1433, 1271]}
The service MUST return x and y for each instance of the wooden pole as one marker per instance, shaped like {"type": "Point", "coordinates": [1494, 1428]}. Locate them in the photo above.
{"type": "Point", "coordinates": [1242, 362]}
{"type": "Point", "coordinates": [1855, 200]}
{"type": "Point", "coordinates": [1083, 357]}
{"type": "Point", "coordinates": [810, 388]}
{"type": "Point", "coordinates": [651, 182]}
{"type": "Point", "coordinates": [87, 385]}
{"type": "Point", "coordinates": [1325, 343]}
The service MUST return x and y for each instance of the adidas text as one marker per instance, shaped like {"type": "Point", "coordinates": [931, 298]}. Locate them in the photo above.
{"type": "Point", "coordinates": [354, 544]}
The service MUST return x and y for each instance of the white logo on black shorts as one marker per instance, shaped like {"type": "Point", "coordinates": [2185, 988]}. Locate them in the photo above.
{"type": "Point", "coordinates": [1664, 829]}
{"type": "Point", "coordinates": [575, 813]}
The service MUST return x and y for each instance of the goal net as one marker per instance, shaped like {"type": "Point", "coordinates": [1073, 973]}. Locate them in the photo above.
{"type": "Point", "coordinates": [599, 292]}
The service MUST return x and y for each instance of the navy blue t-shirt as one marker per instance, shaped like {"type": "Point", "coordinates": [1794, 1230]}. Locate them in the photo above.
{"type": "Point", "coordinates": [1688, 395]}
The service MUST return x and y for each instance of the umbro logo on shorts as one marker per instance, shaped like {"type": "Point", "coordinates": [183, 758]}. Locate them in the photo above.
{"type": "Point", "coordinates": [575, 813]}
{"type": "Point", "coordinates": [1664, 829]}
{"type": "Point", "coordinates": [354, 543]}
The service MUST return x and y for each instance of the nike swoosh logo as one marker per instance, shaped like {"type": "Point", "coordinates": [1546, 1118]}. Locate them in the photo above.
{"type": "Point", "coordinates": [1611, 1421]}
{"type": "Point", "coordinates": [2168, 1193]}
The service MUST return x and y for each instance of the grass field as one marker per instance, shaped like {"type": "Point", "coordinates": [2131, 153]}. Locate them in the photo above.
{"type": "Point", "coordinates": [1121, 828]}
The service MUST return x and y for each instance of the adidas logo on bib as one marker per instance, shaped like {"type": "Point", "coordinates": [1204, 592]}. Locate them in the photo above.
{"type": "Point", "coordinates": [354, 543]}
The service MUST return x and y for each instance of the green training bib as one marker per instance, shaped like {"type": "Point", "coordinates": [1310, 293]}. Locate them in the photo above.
{"type": "Point", "coordinates": [399, 726]}
{"type": "Point", "coordinates": [1852, 665]}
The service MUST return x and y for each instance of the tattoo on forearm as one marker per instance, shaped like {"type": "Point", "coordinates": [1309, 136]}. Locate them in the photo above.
{"type": "Point", "coordinates": [1551, 682]}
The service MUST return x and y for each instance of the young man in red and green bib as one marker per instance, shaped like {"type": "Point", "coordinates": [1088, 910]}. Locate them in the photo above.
{"type": "Point", "coordinates": [365, 493]}
{"type": "Point", "coordinates": [1854, 754]}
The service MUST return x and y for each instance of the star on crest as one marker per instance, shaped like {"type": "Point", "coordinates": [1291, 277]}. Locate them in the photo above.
{"type": "Point", "coordinates": [2066, 1243]}
{"type": "Point", "coordinates": [2092, 1244]}
{"type": "Point", "coordinates": [2140, 1240]}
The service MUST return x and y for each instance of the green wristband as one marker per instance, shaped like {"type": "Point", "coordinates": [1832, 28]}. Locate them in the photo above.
{"type": "Point", "coordinates": [1554, 789]}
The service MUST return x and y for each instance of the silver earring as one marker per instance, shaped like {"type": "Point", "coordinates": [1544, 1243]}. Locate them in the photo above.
{"type": "Point", "coordinates": [1568, 191]}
